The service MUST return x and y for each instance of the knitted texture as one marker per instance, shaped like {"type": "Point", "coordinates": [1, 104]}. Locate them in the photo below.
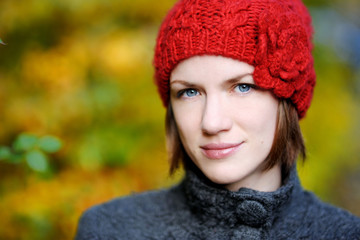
{"type": "Point", "coordinates": [272, 35]}
{"type": "Point", "coordinates": [198, 209]}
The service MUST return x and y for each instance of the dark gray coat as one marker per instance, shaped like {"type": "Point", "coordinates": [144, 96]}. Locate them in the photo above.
{"type": "Point", "coordinates": [198, 209]}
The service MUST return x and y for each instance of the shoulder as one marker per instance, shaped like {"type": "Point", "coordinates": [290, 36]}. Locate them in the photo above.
{"type": "Point", "coordinates": [325, 221]}
{"type": "Point", "coordinates": [126, 217]}
{"type": "Point", "coordinates": [333, 221]}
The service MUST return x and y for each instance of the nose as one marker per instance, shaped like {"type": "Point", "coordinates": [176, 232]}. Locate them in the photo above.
{"type": "Point", "coordinates": [215, 117]}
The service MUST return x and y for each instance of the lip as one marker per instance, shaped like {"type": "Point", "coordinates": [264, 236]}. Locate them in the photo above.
{"type": "Point", "coordinates": [220, 150]}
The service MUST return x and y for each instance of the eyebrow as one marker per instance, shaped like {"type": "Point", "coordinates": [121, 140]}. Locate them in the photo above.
{"type": "Point", "coordinates": [237, 78]}
{"type": "Point", "coordinates": [183, 82]}
{"type": "Point", "coordinates": [228, 81]}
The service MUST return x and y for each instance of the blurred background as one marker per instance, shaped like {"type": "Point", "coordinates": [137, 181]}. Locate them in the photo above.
{"type": "Point", "coordinates": [81, 121]}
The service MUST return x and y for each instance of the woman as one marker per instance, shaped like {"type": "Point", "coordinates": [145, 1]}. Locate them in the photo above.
{"type": "Point", "coordinates": [235, 76]}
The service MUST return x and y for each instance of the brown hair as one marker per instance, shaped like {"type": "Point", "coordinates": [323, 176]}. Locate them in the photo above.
{"type": "Point", "coordinates": [287, 145]}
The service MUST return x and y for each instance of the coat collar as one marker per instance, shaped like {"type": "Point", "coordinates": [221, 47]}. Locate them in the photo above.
{"type": "Point", "coordinates": [214, 205]}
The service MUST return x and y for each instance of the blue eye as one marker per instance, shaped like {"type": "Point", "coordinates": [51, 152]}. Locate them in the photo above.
{"type": "Point", "coordinates": [243, 88]}
{"type": "Point", "coordinates": [190, 92]}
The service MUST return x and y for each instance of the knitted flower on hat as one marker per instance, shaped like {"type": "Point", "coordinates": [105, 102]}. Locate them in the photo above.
{"type": "Point", "coordinates": [272, 35]}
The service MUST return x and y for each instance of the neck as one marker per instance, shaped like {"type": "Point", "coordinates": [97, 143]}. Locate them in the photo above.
{"type": "Point", "coordinates": [264, 181]}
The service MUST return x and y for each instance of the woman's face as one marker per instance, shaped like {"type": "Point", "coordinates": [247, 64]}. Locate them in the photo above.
{"type": "Point", "coordinates": [226, 124]}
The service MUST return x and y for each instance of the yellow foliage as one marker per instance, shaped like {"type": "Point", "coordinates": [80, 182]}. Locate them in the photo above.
{"type": "Point", "coordinates": [123, 53]}
{"type": "Point", "coordinates": [57, 70]}
{"type": "Point", "coordinates": [73, 189]}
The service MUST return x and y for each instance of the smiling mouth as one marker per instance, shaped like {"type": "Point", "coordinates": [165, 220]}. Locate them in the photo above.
{"type": "Point", "coordinates": [219, 151]}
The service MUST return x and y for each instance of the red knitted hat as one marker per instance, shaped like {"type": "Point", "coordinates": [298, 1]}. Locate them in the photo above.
{"type": "Point", "coordinates": [272, 35]}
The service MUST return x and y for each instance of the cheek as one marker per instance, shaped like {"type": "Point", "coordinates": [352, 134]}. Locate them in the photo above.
{"type": "Point", "coordinates": [187, 122]}
{"type": "Point", "coordinates": [259, 118]}
{"type": "Point", "coordinates": [266, 119]}
{"type": "Point", "coordinates": [187, 132]}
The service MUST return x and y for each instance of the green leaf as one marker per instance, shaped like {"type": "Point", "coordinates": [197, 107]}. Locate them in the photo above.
{"type": "Point", "coordinates": [50, 144]}
{"type": "Point", "coordinates": [25, 142]}
{"type": "Point", "coordinates": [16, 158]}
{"type": "Point", "coordinates": [37, 161]}
{"type": "Point", "coordinates": [5, 153]}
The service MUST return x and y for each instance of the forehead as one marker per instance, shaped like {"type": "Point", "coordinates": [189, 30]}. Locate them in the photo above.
{"type": "Point", "coordinates": [201, 68]}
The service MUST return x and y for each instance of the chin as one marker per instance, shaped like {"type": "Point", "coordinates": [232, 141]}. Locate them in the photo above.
{"type": "Point", "coordinates": [223, 176]}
